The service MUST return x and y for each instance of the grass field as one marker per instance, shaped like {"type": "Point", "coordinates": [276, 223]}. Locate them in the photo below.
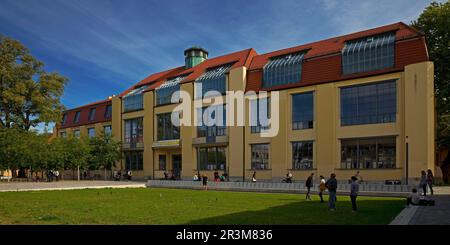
{"type": "Point", "coordinates": [170, 206]}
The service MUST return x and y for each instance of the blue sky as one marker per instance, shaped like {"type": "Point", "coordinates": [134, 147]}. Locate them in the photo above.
{"type": "Point", "coordinates": [105, 46]}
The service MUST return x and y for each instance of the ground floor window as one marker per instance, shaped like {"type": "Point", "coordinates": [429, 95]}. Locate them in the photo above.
{"type": "Point", "coordinates": [91, 132]}
{"type": "Point", "coordinates": [162, 162]}
{"type": "Point", "coordinates": [260, 156]}
{"type": "Point", "coordinates": [302, 155]}
{"type": "Point", "coordinates": [377, 152]}
{"type": "Point", "coordinates": [134, 160]}
{"type": "Point", "coordinates": [212, 158]}
{"type": "Point", "coordinates": [107, 130]}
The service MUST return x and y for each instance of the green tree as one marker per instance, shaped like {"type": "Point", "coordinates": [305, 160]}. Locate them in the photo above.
{"type": "Point", "coordinates": [105, 152]}
{"type": "Point", "coordinates": [434, 22]}
{"type": "Point", "coordinates": [28, 94]}
{"type": "Point", "coordinates": [76, 153]}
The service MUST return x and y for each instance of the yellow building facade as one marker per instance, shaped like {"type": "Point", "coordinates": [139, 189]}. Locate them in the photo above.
{"type": "Point", "coordinates": [378, 121]}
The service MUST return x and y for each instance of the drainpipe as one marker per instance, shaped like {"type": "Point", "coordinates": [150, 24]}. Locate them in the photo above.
{"type": "Point", "coordinates": [243, 157]}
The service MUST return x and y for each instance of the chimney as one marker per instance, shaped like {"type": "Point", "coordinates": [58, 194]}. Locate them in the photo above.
{"type": "Point", "coordinates": [194, 56]}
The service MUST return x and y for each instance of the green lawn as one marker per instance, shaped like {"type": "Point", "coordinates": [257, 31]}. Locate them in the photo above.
{"type": "Point", "coordinates": [170, 206]}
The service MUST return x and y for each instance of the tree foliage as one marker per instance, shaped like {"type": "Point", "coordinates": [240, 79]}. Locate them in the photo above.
{"type": "Point", "coordinates": [434, 22]}
{"type": "Point", "coordinates": [20, 148]}
{"type": "Point", "coordinates": [28, 94]}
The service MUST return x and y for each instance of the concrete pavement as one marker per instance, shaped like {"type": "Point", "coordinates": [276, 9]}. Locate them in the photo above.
{"type": "Point", "coordinates": [68, 185]}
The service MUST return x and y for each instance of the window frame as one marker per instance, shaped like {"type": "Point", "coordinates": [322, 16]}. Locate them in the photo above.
{"type": "Point", "coordinates": [356, 117]}
{"type": "Point", "coordinates": [300, 125]}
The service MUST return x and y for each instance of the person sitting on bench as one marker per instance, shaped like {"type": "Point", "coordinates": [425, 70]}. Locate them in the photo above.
{"type": "Point", "coordinates": [415, 199]}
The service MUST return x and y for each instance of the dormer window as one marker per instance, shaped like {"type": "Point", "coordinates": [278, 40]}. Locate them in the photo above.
{"type": "Point", "coordinates": [64, 120]}
{"type": "Point", "coordinates": [76, 119]}
{"type": "Point", "coordinates": [283, 70]}
{"type": "Point", "coordinates": [369, 54]}
{"type": "Point", "coordinates": [92, 114]}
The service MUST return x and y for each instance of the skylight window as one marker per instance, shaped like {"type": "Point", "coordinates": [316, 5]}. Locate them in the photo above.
{"type": "Point", "coordinates": [369, 54]}
{"type": "Point", "coordinates": [164, 91]}
{"type": "Point", "coordinates": [212, 80]}
{"type": "Point", "coordinates": [283, 70]}
{"type": "Point", "coordinates": [134, 100]}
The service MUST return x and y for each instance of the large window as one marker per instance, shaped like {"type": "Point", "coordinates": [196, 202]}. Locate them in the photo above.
{"type": "Point", "coordinates": [92, 114]}
{"type": "Point", "coordinates": [166, 130]}
{"type": "Point", "coordinates": [259, 115]}
{"type": "Point", "coordinates": [379, 152]}
{"type": "Point", "coordinates": [133, 131]}
{"type": "Point", "coordinates": [165, 91]}
{"type": "Point", "coordinates": [162, 162]}
{"type": "Point", "coordinates": [211, 158]}
{"type": "Point", "coordinates": [303, 111]}
{"type": "Point", "coordinates": [134, 160]}
{"type": "Point", "coordinates": [302, 155]}
{"type": "Point", "coordinates": [283, 70]}
{"type": "Point", "coordinates": [134, 100]}
{"type": "Point", "coordinates": [76, 119]}
{"type": "Point", "coordinates": [368, 104]}
{"type": "Point", "coordinates": [91, 132]}
{"type": "Point", "coordinates": [260, 156]}
{"type": "Point", "coordinates": [369, 54]}
{"type": "Point", "coordinates": [108, 111]}
{"type": "Point", "coordinates": [214, 79]}
{"type": "Point", "coordinates": [217, 125]}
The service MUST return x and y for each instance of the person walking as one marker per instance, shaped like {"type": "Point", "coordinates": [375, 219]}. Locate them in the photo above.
{"type": "Point", "coordinates": [331, 185]}
{"type": "Point", "coordinates": [354, 189]}
{"type": "Point", "coordinates": [309, 184]}
{"type": "Point", "coordinates": [423, 182]}
{"type": "Point", "coordinates": [322, 188]}
{"type": "Point", "coordinates": [254, 177]}
{"type": "Point", "coordinates": [430, 181]}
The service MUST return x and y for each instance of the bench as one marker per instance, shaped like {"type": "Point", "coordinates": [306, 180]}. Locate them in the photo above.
{"type": "Point", "coordinates": [7, 178]}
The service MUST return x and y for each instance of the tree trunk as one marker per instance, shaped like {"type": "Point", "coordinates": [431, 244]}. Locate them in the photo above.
{"type": "Point", "coordinates": [78, 172]}
{"type": "Point", "coordinates": [445, 168]}
{"type": "Point", "coordinates": [105, 173]}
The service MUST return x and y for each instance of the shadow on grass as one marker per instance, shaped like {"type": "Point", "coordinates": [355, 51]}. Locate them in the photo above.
{"type": "Point", "coordinates": [313, 212]}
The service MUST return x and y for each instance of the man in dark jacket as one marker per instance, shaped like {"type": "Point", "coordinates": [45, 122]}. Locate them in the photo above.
{"type": "Point", "coordinates": [331, 185]}
{"type": "Point", "coordinates": [309, 184]}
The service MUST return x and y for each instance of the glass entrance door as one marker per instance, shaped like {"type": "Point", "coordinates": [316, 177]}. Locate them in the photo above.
{"type": "Point", "coordinates": [176, 166]}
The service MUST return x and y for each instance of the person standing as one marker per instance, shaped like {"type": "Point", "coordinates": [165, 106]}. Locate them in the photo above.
{"type": "Point", "coordinates": [430, 180]}
{"type": "Point", "coordinates": [331, 185]}
{"type": "Point", "coordinates": [423, 182]}
{"type": "Point", "coordinates": [205, 182]}
{"type": "Point", "coordinates": [309, 184]}
{"type": "Point", "coordinates": [354, 189]}
{"type": "Point", "coordinates": [321, 188]}
{"type": "Point", "coordinates": [358, 177]}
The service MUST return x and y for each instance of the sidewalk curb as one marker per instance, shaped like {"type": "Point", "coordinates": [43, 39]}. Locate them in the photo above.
{"type": "Point", "coordinates": [405, 216]}
{"type": "Point", "coordinates": [77, 188]}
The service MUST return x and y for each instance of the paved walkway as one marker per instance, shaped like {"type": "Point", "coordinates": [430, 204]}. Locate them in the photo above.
{"type": "Point", "coordinates": [428, 215]}
{"type": "Point", "coordinates": [433, 215]}
{"type": "Point", "coordinates": [68, 185]}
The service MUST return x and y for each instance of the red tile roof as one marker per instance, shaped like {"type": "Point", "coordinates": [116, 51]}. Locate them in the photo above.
{"type": "Point", "coordinates": [240, 58]}
{"type": "Point", "coordinates": [322, 62]}
{"type": "Point", "coordinates": [100, 108]}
